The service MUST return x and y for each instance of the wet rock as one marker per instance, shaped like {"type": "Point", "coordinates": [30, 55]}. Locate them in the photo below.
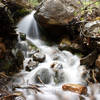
{"type": "Point", "coordinates": [19, 57]}
{"type": "Point", "coordinates": [43, 75]}
{"type": "Point", "coordinates": [23, 46]}
{"type": "Point", "coordinates": [56, 66]}
{"type": "Point", "coordinates": [38, 56]}
{"type": "Point", "coordinates": [97, 63]}
{"type": "Point", "coordinates": [59, 73]}
{"type": "Point", "coordinates": [31, 65]}
{"type": "Point", "coordinates": [75, 88]}
{"type": "Point", "coordinates": [23, 36]}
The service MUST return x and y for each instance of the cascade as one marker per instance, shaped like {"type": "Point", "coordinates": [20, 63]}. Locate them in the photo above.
{"type": "Point", "coordinates": [67, 67]}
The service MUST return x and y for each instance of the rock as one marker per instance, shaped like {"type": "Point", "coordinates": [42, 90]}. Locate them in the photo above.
{"type": "Point", "coordinates": [43, 75]}
{"type": "Point", "coordinates": [59, 73]}
{"type": "Point", "coordinates": [97, 63]}
{"type": "Point", "coordinates": [6, 19]}
{"type": "Point", "coordinates": [53, 15]}
{"type": "Point", "coordinates": [89, 59]}
{"type": "Point", "coordinates": [8, 41]}
{"type": "Point", "coordinates": [91, 34]}
{"type": "Point", "coordinates": [38, 56]}
{"type": "Point", "coordinates": [56, 66]}
{"type": "Point", "coordinates": [31, 65]}
{"type": "Point", "coordinates": [75, 88]}
{"type": "Point", "coordinates": [23, 36]}
{"type": "Point", "coordinates": [66, 44]}
{"type": "Point", "coordinates": [2, 50]}
{"type": "Point", "coordinates": [93, 28]}
{"type": "Point", "coordinates": [19, 57]}
{"type": "Point", "coordinates": [58, 12]}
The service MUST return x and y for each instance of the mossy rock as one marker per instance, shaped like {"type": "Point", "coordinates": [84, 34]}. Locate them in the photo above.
{"type": "Point", "coordinates": [20, 13]}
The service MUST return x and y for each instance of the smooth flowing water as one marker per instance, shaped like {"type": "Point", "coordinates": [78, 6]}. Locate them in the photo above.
{"type": "Point", "coordinates": [67, 67]}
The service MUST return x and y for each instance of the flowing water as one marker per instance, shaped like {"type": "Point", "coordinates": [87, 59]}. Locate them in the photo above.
{"type": "Point", "coordinates": [68, 69]}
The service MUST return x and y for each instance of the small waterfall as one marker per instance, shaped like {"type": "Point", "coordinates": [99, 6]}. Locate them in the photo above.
{"type": "Point", "coordinates": [69, 70]}
{"type": "Point", "coordinates": [28, 25]}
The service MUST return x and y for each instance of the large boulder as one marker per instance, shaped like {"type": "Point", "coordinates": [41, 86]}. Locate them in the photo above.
{"type": "Point", "coordinates": [55, 14]}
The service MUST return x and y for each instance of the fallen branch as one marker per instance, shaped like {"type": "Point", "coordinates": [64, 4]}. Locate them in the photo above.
{"type": "Point", "coordinates": [41, 80]}
{"type": "Point", "coordinates": [33, 87]}
{"type": "Point", "coordinates": [93, 76]}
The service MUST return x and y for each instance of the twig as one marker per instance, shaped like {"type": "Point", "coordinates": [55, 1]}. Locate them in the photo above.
{"type": "Point", "coordinates": [3, 75]}
{"type": "Point", "coordinates": [41, 80]}
{"type": "Point", "coordinates": [93, 76]}
{"type": "Point", "coordinates": [90, 5]}
{"type": "Point", "coordinates": [81, 3]}
{"type": "Point", "coordinates": [33, 87]}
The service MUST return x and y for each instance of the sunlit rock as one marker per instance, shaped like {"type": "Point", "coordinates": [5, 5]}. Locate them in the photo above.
{"type": "Point", "coordinates": [75, 88]}
{"type": "Point", "coordinates": [54, 15]}
{"type": "Point", "coordinates": [38, 56]}
{"type": "Point", "coordinates": [57, 12]}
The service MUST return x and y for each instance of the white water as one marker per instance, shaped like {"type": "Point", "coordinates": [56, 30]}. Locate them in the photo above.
{"type": "Point", "coordinates": [28, 26]}
{"type": "Point", "coordinates": [71, 71]}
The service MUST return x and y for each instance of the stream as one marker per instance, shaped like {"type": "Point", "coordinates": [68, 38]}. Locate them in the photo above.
{"type": "Point", "coordinates": [66, 69]}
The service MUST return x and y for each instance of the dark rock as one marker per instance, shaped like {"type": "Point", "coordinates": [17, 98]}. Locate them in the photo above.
{"type": "Point", "coordinates": [67, 44]}
{"type": "Point", "coordinates": [97, 63]}
{"type": "Point", "coordinates": [38, 56]}
{"type": "Point", "coordinates": [6, 20]}
{"type": "Point", "coordinates": [43, 75]}
{"type": "Point", "coordinates": [2, 50]}
{"type": "Point", "coordinates": [89, 59]}
{"type": "Point", "coordinates": [19, 57]}
{"type": "Point", "coordinates": [31, 65]}
{"type": "Point", "coordinates": [22, 36]}
{"type": "Point", "coordinates": [8, 41]}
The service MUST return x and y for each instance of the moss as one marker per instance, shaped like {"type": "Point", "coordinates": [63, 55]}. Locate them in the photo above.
{"type": "Point", "coordinates": [20, 13]}
{"type": "Point", "coordinates": [80, 55]}
{"type": "Point", "coordinates": [33, 2]}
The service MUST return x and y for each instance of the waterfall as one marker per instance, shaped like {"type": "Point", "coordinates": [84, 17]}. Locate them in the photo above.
{"type": "Point", "coordinates": [28, 25]}
{"type": "Point", "coordinates": [68, 67]}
